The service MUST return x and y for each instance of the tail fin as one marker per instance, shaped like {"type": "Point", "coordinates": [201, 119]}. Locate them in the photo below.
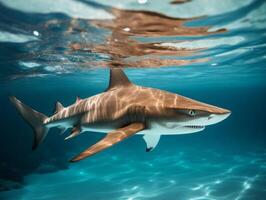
{"type": "Point", "coordinates": [34, 119]}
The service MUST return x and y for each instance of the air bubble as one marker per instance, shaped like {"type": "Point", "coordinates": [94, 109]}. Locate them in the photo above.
{"type": "Point", "coordinates": [36, 33]}
{"type": "Point", "coordinates": [142, 1]}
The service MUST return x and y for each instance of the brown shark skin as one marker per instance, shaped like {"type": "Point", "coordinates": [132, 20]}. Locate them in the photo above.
{"type": "Point", "coordinates": [130, 102]}
{"type": "Point", "coordinates": [114, 104]}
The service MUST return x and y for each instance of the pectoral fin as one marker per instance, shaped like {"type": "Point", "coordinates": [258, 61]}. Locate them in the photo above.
{"type": "Point", "coordinates": [151, 141]}
{"type": "Point", "coordinates": [110, 139]}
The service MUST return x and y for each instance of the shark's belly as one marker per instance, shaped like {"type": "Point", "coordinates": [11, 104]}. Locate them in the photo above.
{"type": "Point", "coordinates": [163, 131]}
{"type": "Point", "coordinates": [104, 127]}
{"type": "Point", "coordinates": [153, 127]}
{"type": "Point", "coordinates": [99, 129]}
{"type": "Point", "coordinates": [65, 122]}
{"type": "Point", "coordinates": [167, 128]}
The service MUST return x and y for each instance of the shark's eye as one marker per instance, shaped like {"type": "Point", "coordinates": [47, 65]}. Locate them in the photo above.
{"type": "Point", "coordinates": [192, 112]}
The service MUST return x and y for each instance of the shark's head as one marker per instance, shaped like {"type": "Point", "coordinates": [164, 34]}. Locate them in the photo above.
{"type": "Point", "coordinates": [192, 116]}
{"type": "Point", "coordinates": [167, 113]}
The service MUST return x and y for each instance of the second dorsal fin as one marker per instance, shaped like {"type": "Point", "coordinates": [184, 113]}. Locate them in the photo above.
{"type": "Point", "coordinates": [58, 107]}
{"type": "Point", "coordinates": [78, 99]}
{"type": "Point", "coordinates": [117, 79]}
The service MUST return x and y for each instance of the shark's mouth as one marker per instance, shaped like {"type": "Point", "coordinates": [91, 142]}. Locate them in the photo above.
{"type": "Point", "coordinates": [195, 127]}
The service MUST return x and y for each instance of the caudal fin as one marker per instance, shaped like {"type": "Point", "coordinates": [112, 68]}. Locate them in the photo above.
{"type": "Point", "coordinates": [34, 119]}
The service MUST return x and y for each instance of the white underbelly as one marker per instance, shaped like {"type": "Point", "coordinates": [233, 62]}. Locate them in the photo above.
{"type": "Point", "coordinates": [154, 128]}
{"type": "Point", "coordinates": [100, 129]}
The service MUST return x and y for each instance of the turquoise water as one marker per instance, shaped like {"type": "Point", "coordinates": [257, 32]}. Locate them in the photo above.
{"type": "Point", "coordinates": [212, 51]}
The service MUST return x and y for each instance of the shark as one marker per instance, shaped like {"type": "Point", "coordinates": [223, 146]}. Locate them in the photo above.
{"type": "Point", "coordinates": [124, 109]}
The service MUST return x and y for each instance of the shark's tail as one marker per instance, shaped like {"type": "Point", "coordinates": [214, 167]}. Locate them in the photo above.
{"type": "Point", "coordinates": [34, 119]}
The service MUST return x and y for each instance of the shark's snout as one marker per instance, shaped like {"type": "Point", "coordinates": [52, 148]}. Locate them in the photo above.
{"type": "Point", "coordinates": [216, 118]}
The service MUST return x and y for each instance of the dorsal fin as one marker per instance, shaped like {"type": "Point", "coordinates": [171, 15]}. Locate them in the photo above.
{"type": "Point", "coordinates": [58, 107]}
{"type": "Point", "coordinates": [117, 79]}
{"type": "Point", "coordinates": [78, 99]}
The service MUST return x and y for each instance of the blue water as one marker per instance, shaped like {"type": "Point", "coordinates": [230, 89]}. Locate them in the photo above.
{"type": "Point", "coordinates": [40, 66]}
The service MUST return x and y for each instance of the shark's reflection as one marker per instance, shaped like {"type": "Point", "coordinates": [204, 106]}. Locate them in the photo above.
{"type": "Point", "coordinates": [179, 1]}
{"type": "Point", "coordinates": [125, 49]}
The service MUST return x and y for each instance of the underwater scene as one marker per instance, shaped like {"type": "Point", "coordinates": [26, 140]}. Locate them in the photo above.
{"type": "Point", "coordinates": [133, 99]}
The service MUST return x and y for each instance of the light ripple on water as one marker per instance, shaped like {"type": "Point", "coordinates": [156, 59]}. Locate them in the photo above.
{"type": "Point", "coordinates": [151, 179]}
